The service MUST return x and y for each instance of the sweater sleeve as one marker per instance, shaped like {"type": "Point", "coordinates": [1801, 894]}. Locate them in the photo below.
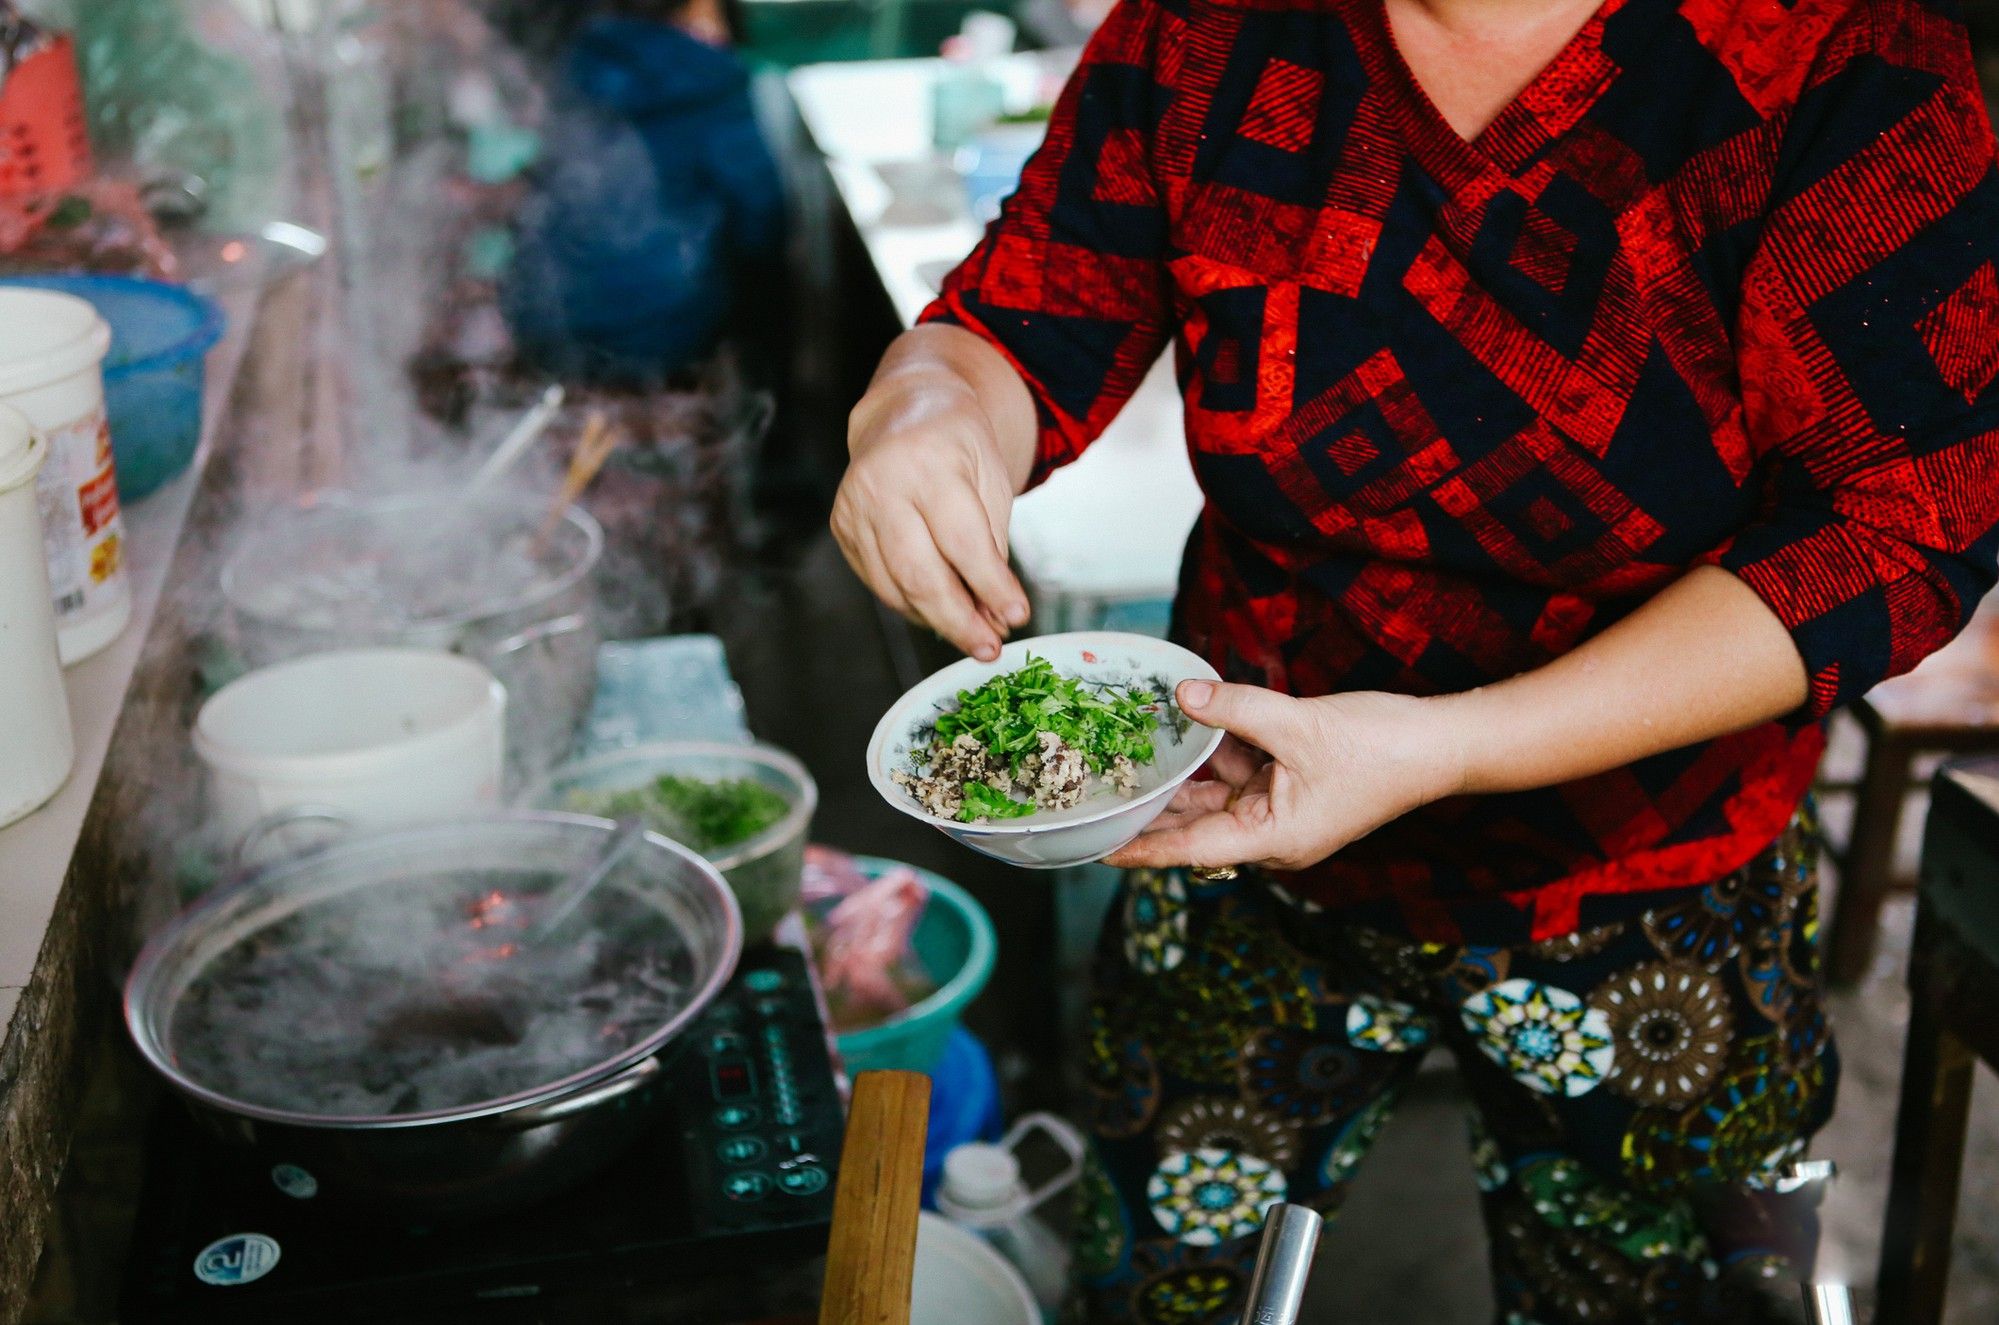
{"type": "Point", "coordinates": [1868, 347]}
{"type": "Point", "coordinates": [1070, 282]}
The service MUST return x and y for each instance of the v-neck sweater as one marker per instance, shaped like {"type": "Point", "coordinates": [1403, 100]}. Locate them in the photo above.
{"type": "Point", "coordinates": [1716, 287]}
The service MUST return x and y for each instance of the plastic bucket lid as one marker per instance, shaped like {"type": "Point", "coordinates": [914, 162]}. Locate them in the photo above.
{"type": "Point", "coordinates": [20, 449]}
{"type": "Point", "coordinates": [46, 336]}
{"type": "Point", "coordinates": [342, 714]}
{"type": "Point", "coordinates": [153, 324]}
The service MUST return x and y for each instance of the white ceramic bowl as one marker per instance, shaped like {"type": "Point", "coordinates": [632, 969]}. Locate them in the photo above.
{"type": "Point", "coordinates": [1105, 821]}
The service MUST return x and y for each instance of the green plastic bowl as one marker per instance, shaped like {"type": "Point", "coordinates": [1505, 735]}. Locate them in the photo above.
{"type": "Point", "coordinates": [954, 942]}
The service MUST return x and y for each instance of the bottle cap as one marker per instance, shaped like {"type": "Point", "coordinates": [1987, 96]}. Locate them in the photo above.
{"type": "Point", "coordinates": [978, 1176]}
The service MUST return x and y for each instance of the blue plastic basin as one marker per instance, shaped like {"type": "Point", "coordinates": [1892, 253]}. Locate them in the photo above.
{"type": "Point", "coordinates": [160, 336]}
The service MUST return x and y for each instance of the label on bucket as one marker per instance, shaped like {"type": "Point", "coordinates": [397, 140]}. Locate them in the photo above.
{"type": "Point", "coordinates": [82, 529]}
{"type": "Point", "coordinates": [240, 1258]}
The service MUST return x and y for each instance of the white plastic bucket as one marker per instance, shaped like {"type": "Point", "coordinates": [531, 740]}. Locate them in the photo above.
{"type": "Point", "coordinates": [961, 1280]}
{"type": "Point", "coordinates": [52, 350]}
{"type": "Point", "coordinates": [35, 735]}
{"type": "Point", "coordinates": [363, 738]}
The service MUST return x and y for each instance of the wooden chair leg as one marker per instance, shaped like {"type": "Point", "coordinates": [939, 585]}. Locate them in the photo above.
{"type": "Point", "coordinates": [1929, 1154]}
{"type": "Point", "coordinates": [1867, 871]}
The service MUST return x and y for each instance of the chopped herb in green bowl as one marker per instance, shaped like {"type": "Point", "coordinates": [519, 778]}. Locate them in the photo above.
{"type": "Point", "coordinates": [700, 813]}
{"type": "Point", "coordinates": [747, 808]}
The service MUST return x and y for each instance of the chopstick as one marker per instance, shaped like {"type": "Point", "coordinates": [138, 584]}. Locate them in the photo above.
{"type": "Point", "coordinates": [520, 437]}
{"type": "Point", "coordinates": [598, 441]}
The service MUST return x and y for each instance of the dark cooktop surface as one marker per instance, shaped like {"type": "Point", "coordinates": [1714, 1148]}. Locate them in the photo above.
{"type": "Point", "coordinates": [726, 1198]}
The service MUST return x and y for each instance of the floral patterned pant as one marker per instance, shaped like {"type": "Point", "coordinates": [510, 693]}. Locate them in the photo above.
{"type": "Point", "coordinates": [1634, 1087]}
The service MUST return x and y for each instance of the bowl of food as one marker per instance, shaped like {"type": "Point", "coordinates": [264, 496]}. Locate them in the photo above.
{"type": "Point", "coordinates": [745, 808]}
{"type": "Point", "coordinates": [1055, 754]}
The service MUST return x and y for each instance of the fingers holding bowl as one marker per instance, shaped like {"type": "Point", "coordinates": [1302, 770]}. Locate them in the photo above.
{"type": "Point", "coordinates": [1235, 762]}
{"type": "Point", "coordinates": [1215, 839]}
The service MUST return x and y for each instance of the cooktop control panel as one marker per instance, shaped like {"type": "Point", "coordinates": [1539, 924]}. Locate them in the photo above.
{"type": "Point", "coordinates": [759, 1111]}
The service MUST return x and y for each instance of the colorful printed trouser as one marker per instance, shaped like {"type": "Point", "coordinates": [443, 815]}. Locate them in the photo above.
{"type": "Point", "coordinates": [1635, 1089]}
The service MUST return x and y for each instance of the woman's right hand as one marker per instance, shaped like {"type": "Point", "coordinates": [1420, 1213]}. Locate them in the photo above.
{"type": "Point", "coordinates": [922, 512]}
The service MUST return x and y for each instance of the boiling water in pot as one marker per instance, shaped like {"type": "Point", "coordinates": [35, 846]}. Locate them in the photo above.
{"type": "Point", "coordinates": [391, 1000]}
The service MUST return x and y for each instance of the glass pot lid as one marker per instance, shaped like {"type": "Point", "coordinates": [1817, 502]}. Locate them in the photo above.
{"type": "Point", "coordinates": [387, 980]}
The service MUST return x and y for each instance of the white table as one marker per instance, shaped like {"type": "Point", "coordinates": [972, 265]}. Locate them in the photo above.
{"type": "Point", "coordinates": [1108, 529]}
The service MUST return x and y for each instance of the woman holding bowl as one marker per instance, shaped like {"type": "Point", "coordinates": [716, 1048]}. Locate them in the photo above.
{"type": "Point", "coordinates": [1588, 399]}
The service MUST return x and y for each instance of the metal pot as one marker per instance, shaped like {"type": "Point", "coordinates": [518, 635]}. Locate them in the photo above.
{"type": "Point", "coordinates": [476, 1157]}
{"type": "Point", "coordinates": [538, 636]}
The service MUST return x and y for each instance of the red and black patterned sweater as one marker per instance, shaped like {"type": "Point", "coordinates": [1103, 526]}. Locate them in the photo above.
{"type": "Point", "coordinates": [1719, 286]}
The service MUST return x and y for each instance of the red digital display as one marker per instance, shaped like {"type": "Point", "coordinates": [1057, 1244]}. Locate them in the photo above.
{"type": "Point", "coordinates": [734, 1079]}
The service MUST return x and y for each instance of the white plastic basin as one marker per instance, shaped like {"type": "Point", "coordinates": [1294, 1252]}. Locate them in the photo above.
{"type": "Point", "coordinates": [961, 1280]}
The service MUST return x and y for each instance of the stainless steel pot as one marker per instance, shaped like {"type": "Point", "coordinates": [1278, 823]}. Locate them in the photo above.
{"type": "Point", "coordinates": [540, 637]}
{"type": "Point", "coordinates": [478, 1157]}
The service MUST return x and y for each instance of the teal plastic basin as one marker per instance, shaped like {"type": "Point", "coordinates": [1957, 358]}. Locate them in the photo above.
{"type": "Point", "coordinates": [954, 941]}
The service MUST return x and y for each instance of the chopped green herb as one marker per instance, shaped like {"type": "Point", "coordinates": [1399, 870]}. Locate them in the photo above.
{"type": "Point", "coordinates": [705, 815]}
{"type": "Point", "coordinates": [1007, 715]}
{"type": "Point", "coordinates": [982, 802]}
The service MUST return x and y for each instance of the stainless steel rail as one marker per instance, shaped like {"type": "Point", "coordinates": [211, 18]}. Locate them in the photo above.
{"type": "Point", "coordinates": [1283, 1264]}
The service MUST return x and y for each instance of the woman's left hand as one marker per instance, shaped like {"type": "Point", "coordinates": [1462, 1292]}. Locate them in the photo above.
{"type": "Point", "coordinates": [1297, 779]}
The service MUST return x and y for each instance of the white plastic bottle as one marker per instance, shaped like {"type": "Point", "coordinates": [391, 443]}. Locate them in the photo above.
{"type": "Point", "coordinates": [968, 96]}
{"type": "Point", "coordinates": [983, 1191]}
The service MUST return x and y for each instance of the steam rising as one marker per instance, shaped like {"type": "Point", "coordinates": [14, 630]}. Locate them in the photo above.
{"type": "Point", "coordinates": [401, 999]}
{"type": "Point", "coordinates": [391, 1000]}
{"type": "Point", "coordinates": [361, 576]}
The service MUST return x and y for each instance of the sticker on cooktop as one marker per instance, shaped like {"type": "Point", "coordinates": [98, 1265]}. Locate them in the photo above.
{"type": "Point", "coordinates": [240, 1258]}
{"type": "Point", "coordinates": [295, 1182]}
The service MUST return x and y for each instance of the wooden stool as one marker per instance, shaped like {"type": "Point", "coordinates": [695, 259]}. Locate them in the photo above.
{"type": "Point", "coordinates": [1949, 705]}
{"type": "Point", "coordinates": [1953, 1023]}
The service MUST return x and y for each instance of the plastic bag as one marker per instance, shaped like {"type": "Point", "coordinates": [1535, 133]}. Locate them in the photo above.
{"type": "Point", "coordinates": [861, 926]}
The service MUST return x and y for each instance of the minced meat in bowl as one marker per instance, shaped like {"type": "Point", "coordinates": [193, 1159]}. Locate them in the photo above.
{"type": "Point", "coordinates": [1060, 732]}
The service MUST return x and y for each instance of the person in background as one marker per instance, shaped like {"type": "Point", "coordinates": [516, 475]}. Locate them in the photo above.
{"type": "Point", "coordinates": [656, 207]}
{"type": "Point", "coordinates": [1589, 397]}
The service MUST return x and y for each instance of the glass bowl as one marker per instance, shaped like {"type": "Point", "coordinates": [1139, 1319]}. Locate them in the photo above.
{"type": "Point", "coordinates": [764, 871]}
